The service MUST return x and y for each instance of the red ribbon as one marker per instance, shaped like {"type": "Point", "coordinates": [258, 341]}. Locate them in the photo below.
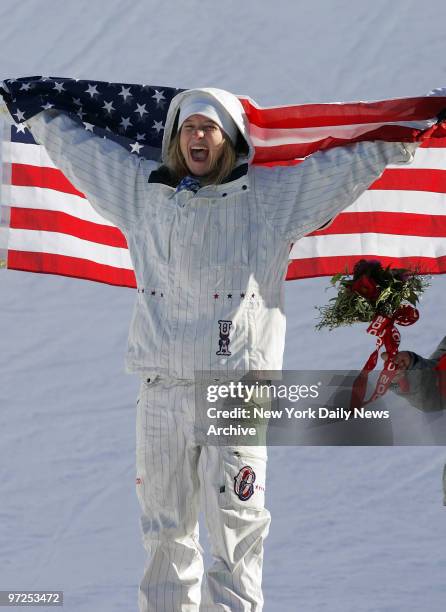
{"type": "Point", "coordinates": [388, 336]}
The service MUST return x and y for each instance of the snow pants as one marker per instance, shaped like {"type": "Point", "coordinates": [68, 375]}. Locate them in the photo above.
{"type": "Point", "coordinates": [172, 472]}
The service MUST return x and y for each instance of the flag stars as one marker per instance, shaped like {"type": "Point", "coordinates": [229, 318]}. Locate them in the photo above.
{"type": "Point", "coordinates": [47, 106]}
{"type": "Point", "coordinates": [25, 87]}
{"type": "Point", "coordinates": [136, 147]}
{"type": "Point", "coordinates": [20, 115]}
{"type": "Point", "coordinates": [125, 93]}
{"type": "Point", "coordinates": [158, 95]}
{"type": "Point", "coordinates": [158, 126]}
{"type": "Point", "coordinates": [20, 127]}
{"type": "Point", "coordinates": [92, 91]}
{"type": "Point", "coordinates": [125, 122]}
{"type": "Point", "coordinates": [88, 126]}
{"type": "Point", "coordinates": [77, 101]}
{"type": "Point", "coordinates": [108, 107]}
{"type": "Point", "coordinates": [59, 87]}
{"type": "Point", "coordinates": [80, 113]}
{"type": "Point", "coordinates": [140, 136]}
{"type": "Point", "coordinates": [141, 109]}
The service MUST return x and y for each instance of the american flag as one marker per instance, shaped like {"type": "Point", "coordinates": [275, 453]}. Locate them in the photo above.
{"type": "Point", "coordinates": [48, 226]}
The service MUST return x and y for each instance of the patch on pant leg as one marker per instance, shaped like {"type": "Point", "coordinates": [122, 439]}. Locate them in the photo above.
{"type": "Point", "coordinates": [244, 483]}
{"type": "Point", "coordinates": [243, 478]}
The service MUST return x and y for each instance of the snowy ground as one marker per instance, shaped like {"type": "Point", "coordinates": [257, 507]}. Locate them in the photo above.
{"type": "Point", "coordinates": [354, 529]}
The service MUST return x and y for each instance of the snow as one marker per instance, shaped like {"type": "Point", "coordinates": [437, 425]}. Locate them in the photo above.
{"type": "Point", "coordinates": [353, 528]}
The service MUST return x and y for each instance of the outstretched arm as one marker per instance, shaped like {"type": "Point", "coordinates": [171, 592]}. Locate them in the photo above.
{"type": "Point", "coordinates": [300, 199]}
{"type": "Point", "coordinates": [112, 179]}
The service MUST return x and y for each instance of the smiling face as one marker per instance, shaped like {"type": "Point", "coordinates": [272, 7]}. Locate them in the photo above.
{"type": "Point", "coordinates": [201, 143]}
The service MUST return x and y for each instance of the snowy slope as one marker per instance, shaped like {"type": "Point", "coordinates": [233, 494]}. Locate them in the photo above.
{"type": "Point", "coordinates": [354, 529]}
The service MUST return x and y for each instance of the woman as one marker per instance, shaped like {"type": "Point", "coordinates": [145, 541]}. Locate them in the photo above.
{"type": "Point", "coordinates": [209, 236]}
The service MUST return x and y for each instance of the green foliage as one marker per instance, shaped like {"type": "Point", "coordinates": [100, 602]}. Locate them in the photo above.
{"type": "Point", "coordinates": [370, 291]}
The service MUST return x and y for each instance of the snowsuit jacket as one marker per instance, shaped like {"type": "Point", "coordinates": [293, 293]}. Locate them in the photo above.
{"type": "Point", "coordinates": [210, 265]}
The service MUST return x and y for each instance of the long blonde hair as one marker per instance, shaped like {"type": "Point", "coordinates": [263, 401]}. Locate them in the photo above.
{"type": "Point", "coordinates": [220, 167]}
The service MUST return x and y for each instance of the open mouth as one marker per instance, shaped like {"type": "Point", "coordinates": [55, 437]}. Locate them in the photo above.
{"type": "Point", "coordinates": [199, 154]}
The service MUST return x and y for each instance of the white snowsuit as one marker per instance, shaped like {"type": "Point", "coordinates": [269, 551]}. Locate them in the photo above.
{"type": "Point", "coordinates": [210, 268]}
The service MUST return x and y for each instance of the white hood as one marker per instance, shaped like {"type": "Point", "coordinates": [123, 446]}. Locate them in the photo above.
{"type": "Point", "coordinates": [228, 100]}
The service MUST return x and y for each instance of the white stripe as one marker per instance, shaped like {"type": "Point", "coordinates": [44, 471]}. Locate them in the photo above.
{"type": "Point", "coordinates": [63, 244]}
{"type": "Point", "coordinates": [429, 159]}
{"type": "Point", "coordinates": [266, 137]}
{"type": "Point", "coordinates": [387, 200]}
{"type": "Point", "coordinates": [31, 154]}
{"type": "Point", "coordinates": [50, 199]}
{"type": "Point", "coordinates": [386, 245]}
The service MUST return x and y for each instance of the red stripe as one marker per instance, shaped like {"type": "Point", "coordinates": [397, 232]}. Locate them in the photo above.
{"type": "Point", "coordinates": [404, 179]}
{"type": "Point", "coordinates": [25, 175]}
{"type": "Point", "coordinates": [393, 133]}
{"type": "Point", "coordinates": [402, 224]}
{"type": "Point", "coordinates": [318, 115]}
{"type": "Point", "coordinates": [54, 221]}
{"type": "Point", "coordinates": [414, 179]}
{"type": "Point", "coordinates": [48, 263]}
{"type": "Point", "coordinates": [327, 266]}
{"type": "Point", "coordinates": [434, 143]}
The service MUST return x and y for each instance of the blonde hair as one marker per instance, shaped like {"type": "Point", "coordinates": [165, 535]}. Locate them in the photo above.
{"type": "Point", "coordinates": [220, 167]}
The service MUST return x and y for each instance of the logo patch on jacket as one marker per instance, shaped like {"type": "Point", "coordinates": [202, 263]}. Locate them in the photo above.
{"type": "Point", "coordinates": [223, 341]}
{"type": "Point", "coordinates": [244, 483]}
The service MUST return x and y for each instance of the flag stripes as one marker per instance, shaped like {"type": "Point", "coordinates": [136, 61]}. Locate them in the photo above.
{"type": "Point", "coordinates": [75, 267]}
{"type": "Point", "coordinates": [51, 221]}
{"type": "Point", "coordinates": [25, 175]}
{"type": "Point", "coordinates": [387, 223]}
{"type": "Point", "coordinates": [329, 265]}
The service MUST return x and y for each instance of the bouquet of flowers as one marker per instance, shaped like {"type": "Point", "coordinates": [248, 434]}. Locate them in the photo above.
{"type": "Point", "coordinates": [383, 297]}
{"type": "Point", "coordinates": [372, 290]}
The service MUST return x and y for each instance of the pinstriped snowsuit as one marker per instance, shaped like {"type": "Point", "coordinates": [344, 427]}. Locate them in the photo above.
{"type": "Point", "coordinates": [210, 269]}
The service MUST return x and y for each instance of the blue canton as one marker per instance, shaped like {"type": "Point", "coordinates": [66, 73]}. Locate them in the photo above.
{"type": "Point", "coordinates": [132, 115]}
